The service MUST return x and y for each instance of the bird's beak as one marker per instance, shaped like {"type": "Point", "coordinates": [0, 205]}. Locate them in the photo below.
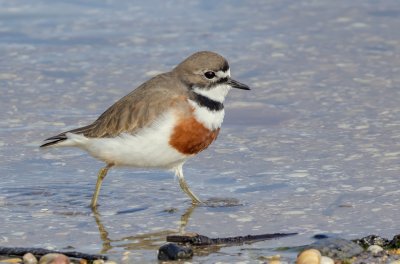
{"type": "Point", "coordinates": [238, 85]}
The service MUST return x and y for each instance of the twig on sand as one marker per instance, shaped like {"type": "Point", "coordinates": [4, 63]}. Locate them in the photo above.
{"type": "Point", "coordinates": [195, 239]}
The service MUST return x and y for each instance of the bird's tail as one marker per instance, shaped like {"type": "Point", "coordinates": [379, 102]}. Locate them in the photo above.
{"type": "Point", "coordinates": [70, 138]}
{"type": "Point", "coordinates": [54, 140]}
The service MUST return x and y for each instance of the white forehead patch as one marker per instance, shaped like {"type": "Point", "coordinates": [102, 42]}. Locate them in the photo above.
{"type": "Point", "coordinates": [223, 74]}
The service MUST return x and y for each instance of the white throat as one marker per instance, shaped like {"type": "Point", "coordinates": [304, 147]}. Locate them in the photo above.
{"type": "Point", "coordinates": [216, 93]}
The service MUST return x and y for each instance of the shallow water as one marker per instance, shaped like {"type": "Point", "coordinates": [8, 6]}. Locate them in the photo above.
{"type": "Point", "coordinates": [313, 148]}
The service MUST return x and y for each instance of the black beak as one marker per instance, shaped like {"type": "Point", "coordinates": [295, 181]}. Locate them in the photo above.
{"type": "Point", "coordinates": [238, 85]}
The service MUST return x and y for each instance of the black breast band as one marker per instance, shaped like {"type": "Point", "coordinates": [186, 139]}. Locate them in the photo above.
{"type": "Point", "coordinates": [207, 102]}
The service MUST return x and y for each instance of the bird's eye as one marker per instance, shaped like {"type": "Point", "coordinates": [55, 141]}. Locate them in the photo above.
{"type": "Point", "coordinates": [209, 74]}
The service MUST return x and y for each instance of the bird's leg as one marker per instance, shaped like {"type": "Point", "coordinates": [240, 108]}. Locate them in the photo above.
{"type": "Point", "coordinates": [185, 187]}
{"type": "Point", "coordinates": [100, 177]}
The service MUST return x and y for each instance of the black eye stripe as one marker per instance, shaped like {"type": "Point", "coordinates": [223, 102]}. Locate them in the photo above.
{"type": "Point", "coordinates": [222, 80]}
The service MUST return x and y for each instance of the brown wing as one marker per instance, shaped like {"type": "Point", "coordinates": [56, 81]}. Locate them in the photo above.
{"type": "Point", "coordinates": [136, 110]}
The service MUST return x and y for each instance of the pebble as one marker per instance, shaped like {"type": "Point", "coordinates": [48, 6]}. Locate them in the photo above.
{"type": "Point", "coordinates": [29, 258]}
{"type": "Point", "coordinates": [11, 260]}
{"type": "Point", "coordinates": [375, 249]}
{"type": "Point", "coordinates": [395, 242]}
{"type": "Point", "coordinates": [274, 261]}
{"type": "Point", "coordinates": [326, 260]}
{"type": "Point", "coordinates": [172, 251]}
{"type": "Point", "coordinates": [370, 240]}
{"type": "Point", "coordinates": [54, 258]}
{"type": "Point", "coordinates": [309, 256]}
{"type": "Point", "coordinates": [98, 261]}
{"type": "Point", "coordinates": [395, 251]}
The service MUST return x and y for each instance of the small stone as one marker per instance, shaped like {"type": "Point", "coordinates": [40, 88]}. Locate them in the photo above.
{"type": "Point", "coordinates": [54, 258]}
{"type": "Point", "coordinates": [171, 210]}
{"type": "Point", "coordinates": [29, 258]}
{"type": "Point", "coordinates": [98, 261]}
{"type": "Point", "coordinates": [274, 261]}
{"type": "Point", "coordinates": [370, 240]}
{"type": "Point", "coordinates": [395, 243]}
{"type": "Point", "coordinates": [83, 261]}
{"type": "Point", "coordinates": [326, 260]}
{"type": "Point", "coordinates": [320, 236]}
{"type": "Point", "coordinates": [394, 251]}
{"type": "Point", "coordinates": [172, 251]}
{"type": "Point", "coordinates": [11, 260]}
{"type": "Point", "coordinates": [309, 256]}
{"type": "Point", "coordinates": [375, 249]}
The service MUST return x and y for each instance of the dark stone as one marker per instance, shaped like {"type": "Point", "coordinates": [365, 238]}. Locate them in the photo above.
{"type": "Point", "coordinates": [395, 243]}
{"type": "Point", "coordinates": [370, 240]}
{"type": "Point", "coordinates": [320, 236]}
{"type": "Point", "coordinates": [171, 210]}
{"type": "Point", "coordinates": [172, 251]}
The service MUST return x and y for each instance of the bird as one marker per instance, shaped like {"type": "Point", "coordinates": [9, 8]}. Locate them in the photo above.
{"type": "Point", "coordinates": [160, 124]}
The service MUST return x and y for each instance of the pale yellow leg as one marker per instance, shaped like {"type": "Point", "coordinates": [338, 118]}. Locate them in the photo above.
{"type": "Point", "coordinates": [185, 186]}
{"type": "Point", "coordinates": [100, 177]}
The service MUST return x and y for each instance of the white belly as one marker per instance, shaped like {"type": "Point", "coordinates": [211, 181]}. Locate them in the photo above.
{"type": "Point", "coordinates": [149, 148]}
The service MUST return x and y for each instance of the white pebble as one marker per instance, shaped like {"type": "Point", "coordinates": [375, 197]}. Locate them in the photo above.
{"type": "Point", "coordinates": [374, 249]}
{"type": "Point", "coordinates": [326, 260]}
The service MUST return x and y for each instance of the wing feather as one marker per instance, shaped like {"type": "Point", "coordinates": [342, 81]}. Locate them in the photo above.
{"type": "Point", "coordinates": [136, 110]}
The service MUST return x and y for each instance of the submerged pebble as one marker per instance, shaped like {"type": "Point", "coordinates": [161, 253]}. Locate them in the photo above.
{"type": "Point", "coordinates": [172, 251]}
{"type": "Point", "coordinates": [222, 202]}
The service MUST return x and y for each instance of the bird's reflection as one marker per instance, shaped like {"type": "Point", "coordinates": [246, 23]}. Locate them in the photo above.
{"type": "Point", "coordinates": [148, 241]}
